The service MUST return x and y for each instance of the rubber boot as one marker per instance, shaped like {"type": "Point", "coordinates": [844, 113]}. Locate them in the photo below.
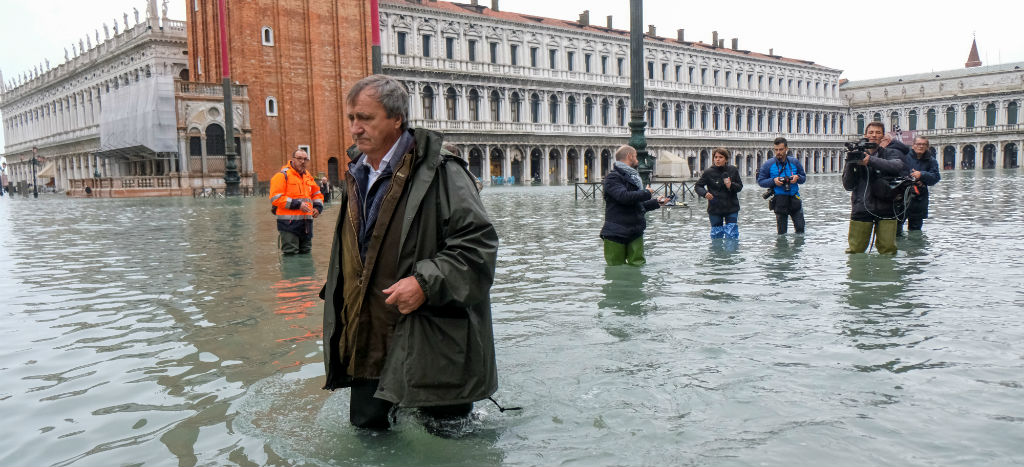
{"type": "Point", "coordinates": [885, 237]}
{"type": "Point", "coordinates": [635, 253]}
{"type": "Point", "coordinates": [614, 253]}
{"type": "Point", "coordinates": [859, 236]}
{"type": "Point", "coordinates": [732, 230]}
{"type": "Point", "coordinates": [717, 231]}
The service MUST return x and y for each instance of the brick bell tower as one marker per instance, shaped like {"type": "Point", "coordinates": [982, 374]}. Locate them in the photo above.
{"type": "Point", "coordinates": [298, 60]}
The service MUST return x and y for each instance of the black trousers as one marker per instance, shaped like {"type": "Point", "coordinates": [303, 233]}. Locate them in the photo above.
{"type": "Point", "coordinates": [366, 411]}
{"type": "Point", "coordinates": [785, 207]}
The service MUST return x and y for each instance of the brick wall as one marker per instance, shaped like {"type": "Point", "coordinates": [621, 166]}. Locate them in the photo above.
{"type": "Point", "coordinates": [321, 48]}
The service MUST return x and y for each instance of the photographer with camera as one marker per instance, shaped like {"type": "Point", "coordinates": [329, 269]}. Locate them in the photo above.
{"type": "Point", "coordinates": [924, 171]}
{"type": "Point", "coordinates": [782, 176]}
{"type": "Point", "coordinates": [871, 175]}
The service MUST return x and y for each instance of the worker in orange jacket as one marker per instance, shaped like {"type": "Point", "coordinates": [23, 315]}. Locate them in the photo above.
{"type": "Point", "coordinates": [296, 201]}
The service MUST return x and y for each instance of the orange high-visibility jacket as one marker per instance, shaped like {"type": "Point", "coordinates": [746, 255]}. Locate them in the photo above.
{"type": "Point", "coordinates": [289, 191]}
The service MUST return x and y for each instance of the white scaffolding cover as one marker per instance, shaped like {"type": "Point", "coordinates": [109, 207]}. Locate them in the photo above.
{"type": "Point", "coordinates": [140, 116]}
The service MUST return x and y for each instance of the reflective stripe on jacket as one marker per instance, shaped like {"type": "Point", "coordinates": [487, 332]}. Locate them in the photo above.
{"type": "Point", "coordinates": [289, 190]}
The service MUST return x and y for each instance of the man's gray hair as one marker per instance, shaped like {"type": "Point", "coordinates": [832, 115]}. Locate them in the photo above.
{"type": "Point", "coordinates": [925, 138]}
{"type": "Point", "coordinates": [389, 92]}
{"type": "Point", "coordinates": [623, 152]}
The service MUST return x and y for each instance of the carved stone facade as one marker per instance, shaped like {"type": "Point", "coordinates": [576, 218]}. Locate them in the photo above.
{"type": "Point", "coordinates": [103, 123]}
{"type": "Point", "coordinates": [539, 98]}
{"type": "Point", "coordinates": [972, 116]}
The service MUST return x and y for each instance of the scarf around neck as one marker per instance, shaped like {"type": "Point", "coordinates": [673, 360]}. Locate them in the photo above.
{"type": "Point", "coordinates": [633, 175]}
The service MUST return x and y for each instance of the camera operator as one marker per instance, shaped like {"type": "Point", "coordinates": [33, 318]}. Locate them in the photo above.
{"type": "Point", "coordinates": [783, 175]}
{"type": "Point", "coordinates": [924, 170]}
{"type": "Point", "coordinates": [868, 174]}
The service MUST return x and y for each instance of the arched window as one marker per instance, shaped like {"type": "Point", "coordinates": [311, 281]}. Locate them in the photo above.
{"type": "Point", "coordinates": [535, 108]}
{"type": "Point", "coordinates": [679, 116]}
{"type": "Point", "coordinates": [553, 108]}
{"type": "Point", "coordinates": [771, 121]}
{"type": "Point", "coordinates": [930, 117]}
{"type": "Point", "coordinates": [516, 104]}
{"type": "Point", "coordinates": [495, 106]}
{"type": "Point", "coordinates": [450, 102]}
{"type": "Point", "coordinates": [428, 102]}
{"type": "Point", "coordinates": [691, 115]}
{"type": "Point", "coordinates": [474, 105]}
{"type": "Point", "coordinates": [606, 110]}
{"type": "Point", "coordinates": [267, 36]}
{"type": "Point", "coordinates": [620, 110]}
{"type": "Point", "coordinates": [990, 115]}
{"type": "Point", "coordinates": [588, 111]}
{"type": "Point", "coordinates": [214, 140]}
{"type": "Point", "coordinates": [271, 106]}
{"type": "Point", "coordinates": [195, 146]}
{"type": "Point", "coordinates": [860, 124]}
{"type": "Point", "coordinates": [912, 120]}
{"type": "Point", "coordinates": [760, 120]}
{"type": "Point", "coordinates": [969, 115]}
{"type": "Point", "coordinates": [951, 117]}
{"type": "Point", "coordinates": [1011, 113]}
{"type": "Point", "coordinates": [664, 115]}
{"type": "Point", "coordinates": [703, 117]}
{"type": "Point", "coordinates": [877, 117]}
{"type": "Point", "coordinates": [716, 116]}
{"type": "Point", "coordinates": [570, 109]}
{"type": "Point", "coordinates": [728, 119]}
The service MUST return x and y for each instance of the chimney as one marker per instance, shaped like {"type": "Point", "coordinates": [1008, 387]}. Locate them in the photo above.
{"type": "Point", "coordinates": [714, 38]}
{"type": "Point", "coordinates": [651, 31]}
{"type": "Point", "coordinates": [679, 35]}
{"type": "Point", "coordinates": [610, 22]}
{"type": "Point", "coordinates": [584, 17]}
{"type": "Point", "coordinates": [721, 43]}
{"type": "Point", "coordinates": [771, 52]}
{"type": "Point", "coordinates": [473, 2]}
{"type": "Point", "coordinates": [494, 5]}
{"type": "Point", "coordinates": [735, 42]}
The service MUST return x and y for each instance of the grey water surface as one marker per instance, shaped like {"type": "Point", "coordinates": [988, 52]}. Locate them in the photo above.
{"type": "Point", "coordinates": [170, 332]}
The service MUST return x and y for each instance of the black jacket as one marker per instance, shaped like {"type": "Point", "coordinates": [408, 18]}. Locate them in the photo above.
{"type": "Point", "coordinates": [929, 168]}
{"type": "Point", "coordinates": [865, 203]}
{"type": "Point", "coordinates": [725, 200]}
{"type": "Point", "coordinates": [624, 208]}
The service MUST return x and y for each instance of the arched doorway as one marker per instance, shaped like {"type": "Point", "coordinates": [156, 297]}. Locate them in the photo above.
{"type": "Point", "coordinates": [554, 166]}
{"type": "Point", "coordinates": [606, 161]}
{"type": "Point", "coordinates": [498, 164]}
{"type": "Point", "coordinates": [590, 169]}
{"type": "Point", "coordinates": [572, 161]}
{"type": "Point", "coordinates": [1010, 156]}
{"type": "Point", "coordinates": [750, 165]}
{"type": "Point", "coordinates": [517, 165]}
{"type": "Point", "coordinates": [703, 159]}
{"type": "Point", "coordinates": [738, 163]}
{"type": "Point", "coordinates": [332, 171]}
{"type": "Point", "coordinates": [817, 161]}
{"type": "Point", "coordinates": [949, 158]}
{"type": "Point", "coordinates": [214, 140]}
{"type": "Point", "coordinates": [536, 156]}
{"type": "Point", "coordinates": [988, 156]}
{"type": "Point", "coordinates": [968, 160]}
{"type": "Point", "coordinates": [476, 162]}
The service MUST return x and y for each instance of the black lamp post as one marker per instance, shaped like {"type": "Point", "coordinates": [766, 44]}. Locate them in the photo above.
{"type": "Point", "coordinates": [636, 89]}
{"type": "Point", "coordinates": [35, 192]}
{"type": "Point", "coordinates": [231, 178]}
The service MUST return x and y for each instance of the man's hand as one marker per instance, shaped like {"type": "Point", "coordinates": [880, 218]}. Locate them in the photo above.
{"type": "Point", "coordinates": [406, 294]}
{"type": "Point", "coordinates": [864, 161]}
{"type": "Point", "coordinates": [316, 213]}
{"type": "Point", "coordinates": [728, 182]}
{"type": "Point", "coordinates": [915, 174]}
{"type": "Point", "coordinates": [306, 207]}
{"type": "Point", "coordinates": [778, 181]}
{"type": "Point", "coordinates": [794, 178]}
{"type": "Point", "coordinates": [708, 196]}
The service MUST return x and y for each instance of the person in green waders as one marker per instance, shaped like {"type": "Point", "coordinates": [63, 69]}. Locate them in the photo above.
{"type": "Point", "coordinates": [626, 202]}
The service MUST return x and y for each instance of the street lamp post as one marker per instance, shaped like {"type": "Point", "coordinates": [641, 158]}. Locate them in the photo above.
{"type": "Point", "coordinates": [231, 178]}
{"type": "Point", "coordinates": [35, 191]}
{"type": "Point", "coordinates": [636, 89]}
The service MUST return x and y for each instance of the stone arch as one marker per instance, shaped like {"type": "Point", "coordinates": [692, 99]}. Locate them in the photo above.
{"type": "Point", "coordinates": [968, 161]}
{"type": "Point", "coordinates": [949, 157]}
{"type": "Point", "coordinates": [536, 165]}
{"type": "Point", "coordinates": [606, 161]}
{"type": "Point", "coordinates": [554, 166]}
{"type": "Point", "coordinates": [214, 139]}
{"type": "Point", "coordinates": [988, 156]}
{"type": "Point", "coordinates": [1010, 160]}
{"type": "Point", "coordinates": [517, 166]}
{"type": "Point", "coordinates": [591, 167]}
{"type": "Point", "coordinates": [705, 159]}
{"type": "Point", "coordinates": [476, 157]}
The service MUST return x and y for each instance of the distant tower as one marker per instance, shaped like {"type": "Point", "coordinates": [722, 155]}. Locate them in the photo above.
{"type": "Point", "coordinates": [973, 60]}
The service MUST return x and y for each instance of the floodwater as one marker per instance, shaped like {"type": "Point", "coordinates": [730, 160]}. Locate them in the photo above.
{"type": "Point", "coordinates": [156, 332]}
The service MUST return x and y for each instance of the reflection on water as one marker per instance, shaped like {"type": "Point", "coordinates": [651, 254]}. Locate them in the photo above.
{"type": "Point", "coordinates": [163, 331]}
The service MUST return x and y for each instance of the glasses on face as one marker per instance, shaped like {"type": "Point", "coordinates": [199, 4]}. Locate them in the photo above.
{"type": "Point", "coordinates": [301, 159]}
{"type": "Point", "coordinates": [920, 144]}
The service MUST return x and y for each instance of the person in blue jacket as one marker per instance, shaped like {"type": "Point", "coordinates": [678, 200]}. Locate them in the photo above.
{"type": "Point", "coordinates": [924, 169]}
{"type": "Point", "coordinates": [785, 174]}
{"type": "Point", "coordinates": [719, 184]}
{"type": "Point", "coordinates": [625, 204]}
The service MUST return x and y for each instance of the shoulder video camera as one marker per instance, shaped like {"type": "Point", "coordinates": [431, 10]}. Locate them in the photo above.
{"type": "Point", "coordinates": [855, 150]}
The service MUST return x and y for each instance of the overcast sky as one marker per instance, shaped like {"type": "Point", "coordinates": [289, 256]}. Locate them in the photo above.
{"type": "Point", "coordinates": [871, 41]}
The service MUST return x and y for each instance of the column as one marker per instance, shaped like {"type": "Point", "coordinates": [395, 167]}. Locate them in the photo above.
{"type": "Point", "coordinates": [415, 103]}
{"type": "Point", "coordinates": [485, 165]}
{"type": "Point", "coordinates": [545, 165]}
{"type": "Point", "coordinates": [202, 141]}
{"type": "Point", "coordinates": [182, 156]}
{"type": "Point", "coordinates": [506, 163]}
{"type": "Point", "coordinates": [1000, 163]}
{"type": "Point", "coordinates": [563, 165]}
